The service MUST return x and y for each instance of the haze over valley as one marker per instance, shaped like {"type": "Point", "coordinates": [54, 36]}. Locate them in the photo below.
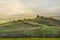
{"type": "Point", "coordinates": [19, 9]}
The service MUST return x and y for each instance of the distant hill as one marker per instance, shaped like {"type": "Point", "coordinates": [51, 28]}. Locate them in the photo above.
{"type": "Point", "coordinates": [57, 17]}
{"type": "Point", "coordinates": [15, 17]}
{"type": "Point", "coordinates": [23, 16]}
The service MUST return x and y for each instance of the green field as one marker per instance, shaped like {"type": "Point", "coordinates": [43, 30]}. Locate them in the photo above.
{"type": "Point", "coordinates": [29, 28]}
{"type": "Point", "coordinates": [29, 38]}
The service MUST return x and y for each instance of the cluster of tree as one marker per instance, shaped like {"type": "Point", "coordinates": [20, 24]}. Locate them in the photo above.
{"type": "Point", "coordinates": [43, 20]}
{"type": "Point", "coordinates": [47, 21]}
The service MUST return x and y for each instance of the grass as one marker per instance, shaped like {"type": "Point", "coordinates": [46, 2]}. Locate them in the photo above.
{"type": "Point", "coordinates": [1, 22]}
{"type": "Point", "coordinates": [27, 28]}
{"type": "Point", "coordinates": [29, 38]}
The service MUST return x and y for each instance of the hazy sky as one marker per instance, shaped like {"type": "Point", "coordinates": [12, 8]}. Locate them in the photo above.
{"type": "Point", "coordinates": [45, 7]}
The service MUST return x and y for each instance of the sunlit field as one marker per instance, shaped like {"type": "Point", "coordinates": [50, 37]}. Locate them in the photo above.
{"type": "Point", "coordinates": [1, 22]}
{"type": "Point", "coordinates": [39, 27]}
{"type": "Point", "coordinates": [29, 19]}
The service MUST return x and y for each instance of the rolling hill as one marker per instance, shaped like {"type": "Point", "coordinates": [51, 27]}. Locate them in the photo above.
{"type": "Point", "coordinates": [30, 28]}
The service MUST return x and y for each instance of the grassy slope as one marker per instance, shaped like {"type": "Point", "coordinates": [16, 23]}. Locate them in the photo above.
{"type": "Point", "coordinates": [2, 21]}
{"type": "Point", "coordinates": [28, 28]}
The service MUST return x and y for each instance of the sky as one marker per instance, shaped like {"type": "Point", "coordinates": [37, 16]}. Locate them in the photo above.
{"type": "Point", "coordinates": [43, 7]}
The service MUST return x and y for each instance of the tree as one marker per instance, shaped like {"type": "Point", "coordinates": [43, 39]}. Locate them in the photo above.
{"type": "Point", "coordinates": [14, 20]}
{"type": "Point", "coordinates": [38, 16]}
{"type": "Point", "coordinates": [19, 20]}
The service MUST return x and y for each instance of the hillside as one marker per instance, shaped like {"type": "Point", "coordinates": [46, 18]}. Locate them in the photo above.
{"type": "Point", "coordinates": [37, 27]}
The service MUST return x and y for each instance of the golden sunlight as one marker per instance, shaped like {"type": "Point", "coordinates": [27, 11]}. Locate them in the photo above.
{"type": "Point", "coordinates": [12, 7]}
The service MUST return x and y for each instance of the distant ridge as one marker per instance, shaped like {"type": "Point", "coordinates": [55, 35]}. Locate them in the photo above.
{"type": "Point", "coordinates": [23, 16]}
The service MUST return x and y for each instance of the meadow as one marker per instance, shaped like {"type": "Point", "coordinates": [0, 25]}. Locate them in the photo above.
{"type": "Point", "coordinates": [39, 27]}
